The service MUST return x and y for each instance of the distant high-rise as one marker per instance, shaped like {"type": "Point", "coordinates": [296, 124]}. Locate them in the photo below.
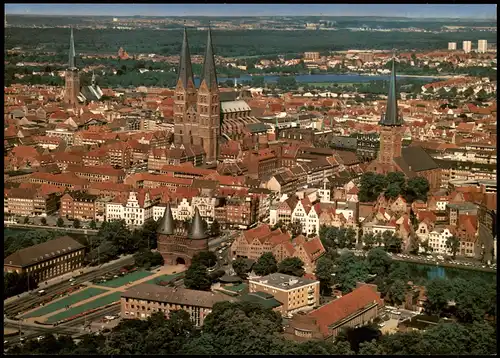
{"type": "Point", "coordinates": [72, 77]}
{"type": "Point", "coordinates": [467, 46]}
{"type": "Point", "coordinates": [452, 46]}
{"type": "Point", "coordinates": [482, 46]}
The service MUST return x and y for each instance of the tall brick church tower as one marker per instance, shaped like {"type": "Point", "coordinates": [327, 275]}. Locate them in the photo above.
{"type": "Point", "coordinates": [197, 112]}
{"type": "Point", "coordinates": [390, 133]}
{"type": "Point", "coordinates": [72, 77]}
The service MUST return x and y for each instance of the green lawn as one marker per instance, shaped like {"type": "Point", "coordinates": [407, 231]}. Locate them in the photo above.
{"type": "Point", "coordinates": [237, 288]}
{"type": "Point", "coordinates": [102, 301]}
{"type": "Point", "coordinates": [123, 280]}
{"type": "Point", "coordinates": [69, 300]}
{"type": "Point", "coordinates": [165, 278]}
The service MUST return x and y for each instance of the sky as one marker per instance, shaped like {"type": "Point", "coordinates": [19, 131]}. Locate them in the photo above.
{"type": "Point", "coordinates": [481, 11]}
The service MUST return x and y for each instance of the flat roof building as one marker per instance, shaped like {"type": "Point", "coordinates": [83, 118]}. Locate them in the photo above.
{"type": "Point", "coordinates": [295, 293]}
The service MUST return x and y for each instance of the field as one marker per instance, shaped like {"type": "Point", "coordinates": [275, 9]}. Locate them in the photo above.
{"type": "Point", "coordinates": [165, 278]}
{"type": "Point", "coordinates": [102, 301]}
{"type": "Point", "coordinates": [62, 303]}
{"type": "Point", "coordinates": [123, 280]}
{"type": "Point", "coordinates": [237, 288]}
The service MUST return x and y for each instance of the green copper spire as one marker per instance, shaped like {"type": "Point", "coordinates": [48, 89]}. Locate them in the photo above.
{"type": "Point", "coordinates": [391, 116]}
{"type": "Point", "coordinates": [72, 53]}
{"type": "Point", "coordinates": [185, 69]}
{"type": "Point", "coordinates": [209, 75]}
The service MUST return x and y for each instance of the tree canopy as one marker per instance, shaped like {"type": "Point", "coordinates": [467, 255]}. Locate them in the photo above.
{"type": "Point", "coordinates": [266, 264]}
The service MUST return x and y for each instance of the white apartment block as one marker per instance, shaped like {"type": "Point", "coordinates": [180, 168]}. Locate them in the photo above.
{"type": "Point", "coordinates": [452, 46]}
{"type": "Point", "coordinates": [131, 211]}
{"type": "Point", "coordinates": [467, 46]}
{"type": "Point", "coordinates": [64, 134]}
{"type": "Point", "coordinates": [482, 46]}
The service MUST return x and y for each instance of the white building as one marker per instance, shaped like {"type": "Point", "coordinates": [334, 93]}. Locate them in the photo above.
{"type": "Point", "coordinates": [467, 46]}
{"type": "Point", "coordinates": [437, 240]}
{"type": "Point", "coordinates": [135, 210]}
{"type": "Point", "coordinates": [206, 206]}
{"type": "Point", "coordinates": [452, 46]}
{"type": "Point", "coordinates": [482, 46]}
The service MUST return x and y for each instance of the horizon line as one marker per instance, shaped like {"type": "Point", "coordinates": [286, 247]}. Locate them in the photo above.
{"type": "Point", "coordinates": [260, 16]}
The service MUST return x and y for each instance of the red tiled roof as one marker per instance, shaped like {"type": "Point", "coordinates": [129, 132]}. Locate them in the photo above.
{"type": "Point", "coordinates": [341, 308]}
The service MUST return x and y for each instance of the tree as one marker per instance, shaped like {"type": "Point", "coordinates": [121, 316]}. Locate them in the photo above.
{"type": "Point", "coordinates": [393, 191]}
{"type": "Point", "coordinates": [215, 228]}
{"type": "Point", "coordinates": [453, 244]}
{"type": "Point", "coordinates": [368, 241]}
{"type": "Point", "coordinates": [349, 271]}
{"type": "Point", "coordinates": [26, 220]}
{"type": "Point", "coordinates": [76, 224]}
{"type": "Point", "coordinates": [325, 269]}
{"type": "Point", "coordinates": [205, 258]}
{"type": "Point", "coordinates": [266, 264]}
{"type": "Point", "coordinates": [439, 292]}
{"type": "Point", "coordinates": [93, 225]}
{"type": "Point", "coordinates": [15, 283]}
{"type": "Point", "coordinates": [417, 189]}
{"type": "Point", "coordinates": [397, 291]}
{"type": "Point", "coordinates": [295, 228]}
{"type": "Point", "coordinates": [378, 261]}
{"type": "Point", "coordinates": [371, 185]}
{"type": "Point", "coordinates": [292, 266]}
{"type": "Point", "coordinates": [240, 267]}
{"type": "Point", "coordinates": [391, 241]}
{"type": "Point", "coordinates": [60, 222]}
{"type": "Point", "coordinates": [197, 277]}
{"type": "Point", "coordinates": [426, 246]}
{"type": "Point", "coordinates": [148, 259]}
{"type": "Point", "coordinates": [43, 221]}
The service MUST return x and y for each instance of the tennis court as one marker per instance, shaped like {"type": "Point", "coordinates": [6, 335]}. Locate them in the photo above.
{"type": "Point", "coordinates": [102, 301]}
{"type": "Point", "coordinates": [62, 303]}
{"type": "Point", "coordinates": [123, 280]}
{"type": "Point", "coordinates": [165, 278]}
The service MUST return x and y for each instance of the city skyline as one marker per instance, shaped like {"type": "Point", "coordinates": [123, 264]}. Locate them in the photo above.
{"type": "Point", "coordinates": [464, 11]}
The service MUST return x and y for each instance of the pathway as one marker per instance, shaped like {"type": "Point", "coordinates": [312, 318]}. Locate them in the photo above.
{"type": "Point", "coordinates": [165, 270]}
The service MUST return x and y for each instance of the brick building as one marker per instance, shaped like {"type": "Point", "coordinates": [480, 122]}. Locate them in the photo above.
{"type": "Point", "coordinates": [29, 202]}
{"type": "Point", "coordinates": [143, 300]}
{"type": "Point", "coordinates": [47, 260]}
{"type": "Point", "coordinates": [78, 205]}
{"type": "Point", "coordinates": [177, 245]}
{"type": "Point", "coordinates": [355, 309]}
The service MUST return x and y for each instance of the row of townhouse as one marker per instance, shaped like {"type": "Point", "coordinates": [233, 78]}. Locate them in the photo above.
{"type": "Point", "coordinates": [313, 215]}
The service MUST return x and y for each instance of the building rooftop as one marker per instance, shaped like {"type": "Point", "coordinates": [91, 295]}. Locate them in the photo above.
{"type": "Point", "coordinates": [44, 251]}
{"type": "Point", "coordinates": [181, 296]}
{"type": "Point", "coordinates": [265, 299]}
{"type": "Point", "coordinates": [282, 281]}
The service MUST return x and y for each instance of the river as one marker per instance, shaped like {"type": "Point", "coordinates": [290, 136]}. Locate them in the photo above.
{"type": "Point", "coordinates": [324, 78]}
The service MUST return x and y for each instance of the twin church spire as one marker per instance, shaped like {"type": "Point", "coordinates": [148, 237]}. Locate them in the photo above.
{"type": "Point", "coordinates": [208, 75]}
{"type": "Point", "coordinates": [391, 116]}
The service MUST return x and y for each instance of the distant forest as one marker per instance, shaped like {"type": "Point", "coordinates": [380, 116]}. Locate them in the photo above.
{"type": "Point", "coordinates": [230, 43]}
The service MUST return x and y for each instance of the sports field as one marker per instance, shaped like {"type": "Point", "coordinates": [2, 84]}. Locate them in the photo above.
{"type": "Point", "coordinates": [62, 303]}
{"type": "Point", "coordinates": [123, 280]}
{"type": "Point", "coordinates": [165, 278]}
{"type": "Point", "coordinates": [102, 301]}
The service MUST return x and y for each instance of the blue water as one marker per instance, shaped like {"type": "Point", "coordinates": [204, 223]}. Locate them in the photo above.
{"type": "Point", "coordinates": [321, 78]}
{"type": "Point", "coordinates": [432, 271]}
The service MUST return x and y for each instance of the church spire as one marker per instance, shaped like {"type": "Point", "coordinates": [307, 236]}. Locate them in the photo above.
{"type": "Point", "coordinates": [391, 116]}
{"type": "Point", "coordinates": [72, 53]}
{"type": "Point", "coordinates": [198, 227]}
{"type": "Point", "coordinates": [93, 79]}
{"type": "Point", "coordinates": [209, 75]}
{"type": "Point", "coordinates": [185, 68]}
{"type": "Point", "coordinates": [166, 225]}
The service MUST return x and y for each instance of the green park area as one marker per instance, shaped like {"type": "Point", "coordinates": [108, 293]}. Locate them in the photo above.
{"type": "Point", "coordinates": [100, 302]}
{"type": "Point", "coordinates": [165, 278]}
{"type": "Point", "coordinates": [62, 303]}
{"type": "Point", "coordinates": [123, 280]}
{"type": "Point", "coordinates": [237, 288]}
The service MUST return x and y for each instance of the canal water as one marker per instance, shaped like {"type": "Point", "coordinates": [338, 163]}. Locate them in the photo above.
{"type": "Point", "coordinates": [432, 271]}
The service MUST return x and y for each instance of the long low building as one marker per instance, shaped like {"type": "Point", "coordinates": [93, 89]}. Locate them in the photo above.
{"type": "Point", "coordinates": [47, 260]}
{"type": "Point", "coordinates": [355, 309]}
{"type": "Point", "coordinates": [145, 299]}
